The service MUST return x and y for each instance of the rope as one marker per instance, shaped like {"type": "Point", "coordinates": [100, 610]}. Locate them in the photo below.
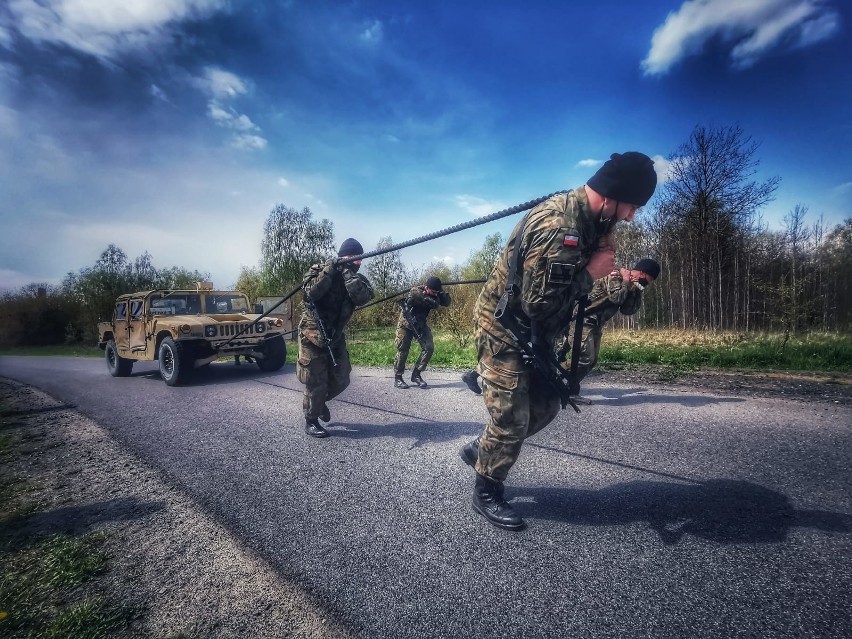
{"type": "Point", "coordinates": [417, 240]}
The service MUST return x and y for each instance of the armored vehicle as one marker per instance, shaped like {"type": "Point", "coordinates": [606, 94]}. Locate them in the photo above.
{"type": "Point", "coordinates": [187, 329]}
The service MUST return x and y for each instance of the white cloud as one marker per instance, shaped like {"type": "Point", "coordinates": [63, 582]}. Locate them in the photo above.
{"type": "Point", "coordinates": [663, 168]}
{"type": "Point", "coordinates": [447, 259]}
{"type": "Point", "coordinates": [103, 27]}
{"type": "Point", "coordinates": [750, 29]}
{"type": "Point", "coordinates": [283, 181]}
{"type": "Point", "coordinates": [374, 33]}
{"type": "Point", "coordinates": [477, 206]}
{"type": "Point", "coordinates": [588, 163]}
{"type": "Point", "coordinates": [842, 190]}
{"type": "Point", "coordinates": [249, 142]}
{"type": "Point", "coordinates": [221, 84]}
{"type": "Point", "coordinates": [228, 117]}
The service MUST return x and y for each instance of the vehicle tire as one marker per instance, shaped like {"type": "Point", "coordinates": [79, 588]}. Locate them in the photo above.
{"type": "Point", "coordinates": [174, 365]}
{"type": "Point", "coordinates": [117, 365]}
{"type": "Point", "coordinates": [275, 351]}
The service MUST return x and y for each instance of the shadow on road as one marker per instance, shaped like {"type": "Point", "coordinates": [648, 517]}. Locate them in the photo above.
{"type": "Point", "coordinates": [421, 432]}
{"type": "Point", "coordinates": [724, 511]}
{"type": "Point", "coordinates": [637, 396]}
{"type": "Point", "coordinates": [74, 520]}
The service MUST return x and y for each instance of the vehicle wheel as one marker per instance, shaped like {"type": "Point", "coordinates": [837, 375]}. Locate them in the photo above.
{"type": "Point", "coordinates": [174, 365]}
{"type": "Point", "coordinates": [275, 351]}
{"type": "Point", "coordinates": [117, 365]}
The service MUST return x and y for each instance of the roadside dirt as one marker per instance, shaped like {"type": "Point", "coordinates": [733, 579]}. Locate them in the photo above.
{"type": "Point", "coordinates": [187, 576]}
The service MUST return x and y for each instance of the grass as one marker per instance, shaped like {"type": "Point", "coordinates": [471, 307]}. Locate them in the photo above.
{"type": "Point", "coordinates": [727, 350]}
{"type": "Point", "coordinates": [43, 577]}
{"type": "Point", "coordinates": [676, 349]}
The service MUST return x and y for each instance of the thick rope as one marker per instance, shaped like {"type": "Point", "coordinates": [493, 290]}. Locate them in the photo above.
{"type": "Point", "coordinates": [417, 240]}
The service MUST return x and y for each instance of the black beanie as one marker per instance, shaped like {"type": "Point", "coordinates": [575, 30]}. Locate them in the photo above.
{"type": "Point", "coordinates": [649, 266]}
{"type": "Point", "coordinates": [350, 246]}
{"type": "Point", "coordinates": [434, 283]}
{"type": "Point", "coordinates": [626, 177]}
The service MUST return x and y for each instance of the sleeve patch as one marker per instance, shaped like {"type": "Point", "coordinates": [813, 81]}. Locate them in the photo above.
{"type": "Point", "coordinates": [560, 273]}
{"type": "Point", "coordinates": [570, 240]}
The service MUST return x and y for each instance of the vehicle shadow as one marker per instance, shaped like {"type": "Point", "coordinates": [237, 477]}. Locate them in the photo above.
{"type": "Point", "coordinates": [220, 373]}
{"type": "Point", "coordinates": [422, 432]}
{"type": "Point", "coordinates": [724, 511]}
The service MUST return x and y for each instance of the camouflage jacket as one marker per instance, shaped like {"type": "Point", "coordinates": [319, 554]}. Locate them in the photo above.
{"type": "Point", "coordinates": [559, 237]}
{"type": "Point", "coordinates": [421, 304]}
{"type": "Point", "coordinates": [610, 295]}
{"type": "Point", "coordinates": [335, 294]}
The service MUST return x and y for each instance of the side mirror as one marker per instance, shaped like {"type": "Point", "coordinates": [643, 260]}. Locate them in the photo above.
{"type": "Point", "coordinates": [258, 308]}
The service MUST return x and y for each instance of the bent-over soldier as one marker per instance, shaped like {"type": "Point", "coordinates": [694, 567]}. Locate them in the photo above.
{"type": "Point", "coordinates": [331, 293]}
{"type": "Point", "coordinates": [552, 258]}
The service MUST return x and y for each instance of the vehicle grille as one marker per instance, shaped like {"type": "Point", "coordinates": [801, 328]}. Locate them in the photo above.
{"type": "Point", "coordinates": [226, 330]}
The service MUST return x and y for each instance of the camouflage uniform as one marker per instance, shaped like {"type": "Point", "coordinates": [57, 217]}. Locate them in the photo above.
{"type": "Point", "coordinates": [610, 295]}
{"type": "Point", "coordinates": [559, 237]}
{"type": "Point", "coordinates": [420, 304]}
{"type": "Point", "coordinates": [335, 295]}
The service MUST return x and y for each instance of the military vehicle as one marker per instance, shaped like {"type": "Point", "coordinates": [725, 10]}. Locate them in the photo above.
{"type": "Point", "coordinates": [188, 329]}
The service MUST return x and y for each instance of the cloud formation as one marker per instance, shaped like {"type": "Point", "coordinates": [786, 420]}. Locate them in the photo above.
{"type": "Point", "coordinates": [749, 29]}
{"type": "Point", "coordinates": [101, 28]}
{"type": "Point", "coordinates": [477, 206]}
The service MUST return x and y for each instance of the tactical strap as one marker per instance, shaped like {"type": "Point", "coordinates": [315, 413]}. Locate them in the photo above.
{"type": "Point", "coordinates": [574, 382]}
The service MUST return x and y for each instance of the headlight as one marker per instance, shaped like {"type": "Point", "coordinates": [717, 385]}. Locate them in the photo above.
{"type": "Point", "coordinates": [210, 331]}
{"type": "Point", "coordinates": [259, 327]}
{"type": "Point", "coordinates": [184, 328]}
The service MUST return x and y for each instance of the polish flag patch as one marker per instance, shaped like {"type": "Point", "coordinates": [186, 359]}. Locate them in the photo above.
{"type": "Point", "coordinates": [570, 240]}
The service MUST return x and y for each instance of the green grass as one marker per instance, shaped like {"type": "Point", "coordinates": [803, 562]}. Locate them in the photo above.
{"type": "Point", "coordinates": [68, 350]}
{"type": "Point", "coordinates": [759, 351]}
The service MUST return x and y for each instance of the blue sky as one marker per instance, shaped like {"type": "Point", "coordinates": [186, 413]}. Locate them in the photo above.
{"type": "Point", "coordinates": [174, 126]}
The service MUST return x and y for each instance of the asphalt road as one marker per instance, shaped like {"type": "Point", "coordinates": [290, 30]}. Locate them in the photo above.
{"type": "Point", "coordinates": [655, 513]}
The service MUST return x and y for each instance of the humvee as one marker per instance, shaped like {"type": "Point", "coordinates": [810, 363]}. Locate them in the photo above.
{"type": "Point", "coordinates": [187, 329]}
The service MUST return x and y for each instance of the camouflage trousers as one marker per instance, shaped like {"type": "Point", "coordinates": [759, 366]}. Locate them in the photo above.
{"type": "Point", "coordinates": [403, 345]}
{"type": "Point", "coordinates": [519, 405]}
{"type": "Point", "coordinates": [323, 381]}
{"type": "Point", "coordinates": [590, 347]}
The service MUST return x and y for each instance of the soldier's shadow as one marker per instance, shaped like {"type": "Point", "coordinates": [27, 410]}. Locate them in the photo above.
{"type": "Point", "coordinates": [421, 432]}
{"type": "Point", "coordinates": [636, 396]}
{"type": "Point", "coordinates": [724, 511]}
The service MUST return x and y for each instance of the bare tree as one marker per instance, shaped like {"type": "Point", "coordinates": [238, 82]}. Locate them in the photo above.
{"type": "Point", "coordinates": [710, 201]}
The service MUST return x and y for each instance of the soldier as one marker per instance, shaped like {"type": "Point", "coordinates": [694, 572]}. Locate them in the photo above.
{"type": "Point", "coordinates": [420, 300]}
{"type": "Point", "coordinates": [552, 258]}
{"type": "Point", "coordinates": [620, 291]}
{"type": "Point", "coordinates": [332, 292]}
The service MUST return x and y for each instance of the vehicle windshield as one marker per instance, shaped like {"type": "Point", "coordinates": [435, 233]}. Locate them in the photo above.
{"type": "Point", "coordinates": [175, 304]}
{"type": "Point", "coordinates": [225, 303]}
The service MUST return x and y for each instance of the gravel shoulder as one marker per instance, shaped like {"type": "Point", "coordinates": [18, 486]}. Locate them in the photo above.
{"type": "Point", "coordinates": [188, 576]}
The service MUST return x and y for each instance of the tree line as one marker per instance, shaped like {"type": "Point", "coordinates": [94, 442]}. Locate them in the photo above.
{"type": "Point", "coordinates": [722, 268]}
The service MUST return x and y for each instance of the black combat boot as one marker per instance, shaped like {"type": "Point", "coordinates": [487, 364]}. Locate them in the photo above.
{"type": "Point", "coordinates": [470, 452]}
{"type": "Point", "coordinates": [415, 377]}
{"type": "Point", "coordinates": [399, 382]}
{"type": "Point", "coordinates": [325, 414]}
{"type": "Point", "coordinates": [313, 428]}
{"type": "Point", "coordinates": [470, 378]}
{"type": "Point", "coordinates": [488, 501]}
